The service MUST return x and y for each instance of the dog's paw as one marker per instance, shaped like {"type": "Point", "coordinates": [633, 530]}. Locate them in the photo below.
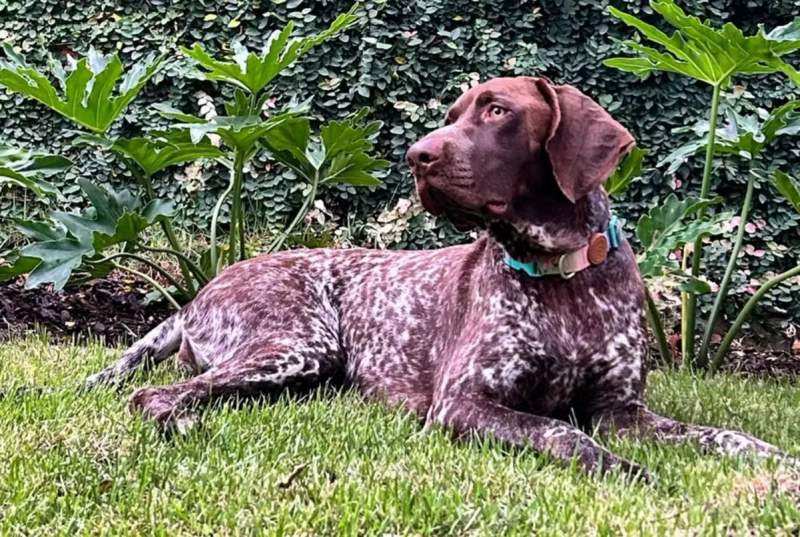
{"type": "Point", "coordinates": [640, 474]}
{"type": "Point", "coordinates": [161, 407]}
{"type": "Point", "coordinates": [631, 471]}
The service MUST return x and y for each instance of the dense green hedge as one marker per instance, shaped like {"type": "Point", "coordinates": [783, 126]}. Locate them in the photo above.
{"type": "Point", "coordinates": [406, 61]}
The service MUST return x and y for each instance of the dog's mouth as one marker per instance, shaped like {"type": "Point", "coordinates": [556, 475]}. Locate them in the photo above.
{"type": "Point", "coordinates": [497, 208]}
{"type": "Point", "coordinates": [462, 217]}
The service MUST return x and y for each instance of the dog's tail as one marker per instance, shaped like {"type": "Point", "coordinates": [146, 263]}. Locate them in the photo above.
{"type": "Point", "coordinates": [158, 345]}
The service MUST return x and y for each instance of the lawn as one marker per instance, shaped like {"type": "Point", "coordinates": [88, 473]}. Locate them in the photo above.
{"type": "Point", "coordinates": [82, 465]}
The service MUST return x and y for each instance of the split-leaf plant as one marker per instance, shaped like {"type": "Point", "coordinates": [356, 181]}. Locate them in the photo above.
{"type": "Point", "coordinates": [93, 243]}
{"type": "Point", "coordinates": [714, 57]}
{"type": "Point", "coordinates": [666, 228]}
{"type": "Point", "coordinates": [743, 135]}
{"type": "Point", "coordinates": [29, 169]}
{"type": "Point", "coordinates": [790, 189]}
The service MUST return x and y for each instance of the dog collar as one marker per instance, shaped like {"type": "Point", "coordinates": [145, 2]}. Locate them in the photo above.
{"type": "Point", "coordinates": [566, 265]}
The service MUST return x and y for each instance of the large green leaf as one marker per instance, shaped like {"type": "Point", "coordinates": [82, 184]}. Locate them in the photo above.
{"type": "Point", "coordinates": [669, 226]}
{"type": "Point", "coordinates": [89, 97]}
{"type": "Point", "coordinates": [39, 231]}
{"type": "Point", "coordinates": [354, 169]}
{"type": "Point", "coordinates": [697, 50]}
{"type": "Point", "coordinates": [626, 172]}
{"type": "Point", "coordinates": [26, 169]}
{"type": "Point", "coordinates": [240, 133]}
{"type": "Point", "coordinates": [113, 218]}
{"type": "Point", "coordinates": [667, 218]}
{"type": "Point", "coordinates": [173, 113]}
{"type": "Point", "coordinates": [341, 155]}
{"type": "Point", "coordinates": [155, 154]}
{"type": "Point", "coordinates": [18, 265]}
{"type": "Point", "coordinates": [252, 71]}
{"type": "Point", "coordinates": [744, 135]}
{"type": "Point", "coordinates": [789, 188]}
{"type": "Point", "coordinates": [57, 259]}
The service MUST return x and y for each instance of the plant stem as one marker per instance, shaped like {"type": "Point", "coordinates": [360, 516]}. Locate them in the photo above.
{"type": "Point", "coordinates": [253, 102]}
{"type": "Point", "coordinates": [152, 282]}
{"type": "Point", "coordinates": [745, 313]}
{"type": "Point", "coordinates": [242, 244]}
{"type": "Point", "coordinates": [149, 263]}
{"type": "Point", "coordinates": [169, 231]}
{"type": "Point", "coordinates": [722, 294]}
{"type": "Point", "coordinates": [686, 358]}
{"type": "Point", "coordinates": [196, 270]}
{"type": "Point", "coordinates": [143, 179]}
{"type": "Point", "coordinates": [147, 182]}
{"type": "Point", "coordinates": [236, 208]}
{"type": "Point", "coordinates": [278, 243]}
{"type": "Point", "coordinates": [690, 311]}
{"type": "Point", "coordinates": [654, 317]}
{"type": "Point", "coordinates": [213, 255]}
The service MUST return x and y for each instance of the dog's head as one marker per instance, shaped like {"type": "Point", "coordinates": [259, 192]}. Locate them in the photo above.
{"type": "Point", "coordinates": [512, 145]}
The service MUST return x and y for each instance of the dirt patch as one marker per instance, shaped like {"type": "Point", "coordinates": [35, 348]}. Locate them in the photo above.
{"type": "Point", "coordinates": [112, 309]}
{"type": "Point", "coordinates": [755, 359]}
{"type": "Point", "coordinates": [761, 362]}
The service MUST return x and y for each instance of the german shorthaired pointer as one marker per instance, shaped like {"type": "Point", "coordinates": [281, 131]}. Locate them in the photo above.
{"type": "Point", "coordinates": [535, 333]}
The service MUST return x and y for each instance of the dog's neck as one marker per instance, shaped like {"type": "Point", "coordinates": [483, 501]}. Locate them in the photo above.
{"type": "Point", "coordinates": [550, 229]}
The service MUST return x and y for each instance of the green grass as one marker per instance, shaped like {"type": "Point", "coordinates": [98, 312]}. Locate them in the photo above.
{"type": "Point", "coordinates": [82, 465]}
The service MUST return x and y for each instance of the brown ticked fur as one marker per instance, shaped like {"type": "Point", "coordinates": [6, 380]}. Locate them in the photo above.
{"type": "Point", "coordinates": [454, 334]}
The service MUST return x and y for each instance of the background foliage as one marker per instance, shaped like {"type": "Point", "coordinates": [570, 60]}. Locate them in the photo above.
{"type": "Point", "coordinates": [407, 61]}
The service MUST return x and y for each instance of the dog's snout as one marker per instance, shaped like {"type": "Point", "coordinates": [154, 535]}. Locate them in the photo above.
{"type": "Point", "coordinates": [425, 152]}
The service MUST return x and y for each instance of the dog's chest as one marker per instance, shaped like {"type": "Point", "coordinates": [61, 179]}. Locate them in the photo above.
{"type": "Point", "coordinates": [545, 352]}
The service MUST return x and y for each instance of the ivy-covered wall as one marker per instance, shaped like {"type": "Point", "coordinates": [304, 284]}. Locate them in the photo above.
{"type": "Point", "coordinates": [407, 61]}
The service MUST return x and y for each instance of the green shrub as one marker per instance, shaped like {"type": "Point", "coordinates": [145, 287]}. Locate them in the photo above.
{"type": "Point", "coordinates": [406, 63]}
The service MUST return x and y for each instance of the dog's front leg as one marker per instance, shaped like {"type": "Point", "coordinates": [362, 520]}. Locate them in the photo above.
{"type": "Point", "coordinates": [562, 441]}
{"type": "Point", "coordinates": [638, 421]}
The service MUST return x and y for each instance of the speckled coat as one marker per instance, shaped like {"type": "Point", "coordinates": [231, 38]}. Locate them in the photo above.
{"type": "Point", "coordinates": [455, 334]}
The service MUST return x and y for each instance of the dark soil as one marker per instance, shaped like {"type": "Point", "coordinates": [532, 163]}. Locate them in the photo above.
{"type": "Point", "coordinates": [114, 310]}
{"type": "Point", "coordinates": [763, 362]}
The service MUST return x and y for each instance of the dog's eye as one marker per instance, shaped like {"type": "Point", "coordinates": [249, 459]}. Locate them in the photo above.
{"type": "Point", "coordinates": [496, 111]}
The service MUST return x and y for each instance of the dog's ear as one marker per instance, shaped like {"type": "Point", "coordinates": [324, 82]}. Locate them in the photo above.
{"type": "Point", "coordinates": [585, 143]}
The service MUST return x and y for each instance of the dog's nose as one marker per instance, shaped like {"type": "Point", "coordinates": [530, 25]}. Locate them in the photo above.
{"type": "Point", "coordinates": [424, 153]}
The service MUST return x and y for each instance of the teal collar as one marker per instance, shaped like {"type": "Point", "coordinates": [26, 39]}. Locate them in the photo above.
{"type": "Point", "coordinates": [566, 265]}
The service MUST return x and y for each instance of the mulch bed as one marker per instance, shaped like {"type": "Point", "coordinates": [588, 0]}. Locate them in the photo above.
{"type": "Point", "coordinates": [758, 362]}
{"type": "Point", "coordinates": [114, 309]}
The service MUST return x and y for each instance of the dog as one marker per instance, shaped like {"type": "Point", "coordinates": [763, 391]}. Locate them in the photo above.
{"type": "Point", "coordinates": [535, 333]}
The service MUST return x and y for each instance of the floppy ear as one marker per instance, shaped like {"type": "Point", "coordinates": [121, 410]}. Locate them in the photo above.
{"type": "Point", "coordinates": [585, 143]}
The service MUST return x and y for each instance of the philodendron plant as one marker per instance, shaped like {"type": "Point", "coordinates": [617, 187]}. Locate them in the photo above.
{"type": "Point", "coordinates": [787, 186]}
{"type": "Point", "coordinates": [29, 169]}
{"type": "Point", "coordinates": [95, 94]}
{"type": "Point", "coordinates": [745, 136]}
{"type": "Point", "coordinates": [714, 57]}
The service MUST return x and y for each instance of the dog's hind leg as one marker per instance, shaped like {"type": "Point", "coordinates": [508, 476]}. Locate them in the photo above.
{"type": "Point", "coordinates": [148, 352]}
{"type": "Point", "coordinates": [637, 421]}
{"type": "Point", "coordinates": [262, 367]}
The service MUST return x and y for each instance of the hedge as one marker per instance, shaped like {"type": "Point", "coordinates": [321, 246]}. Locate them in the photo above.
{"type": "Point", "coordinates": [407, 61]}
